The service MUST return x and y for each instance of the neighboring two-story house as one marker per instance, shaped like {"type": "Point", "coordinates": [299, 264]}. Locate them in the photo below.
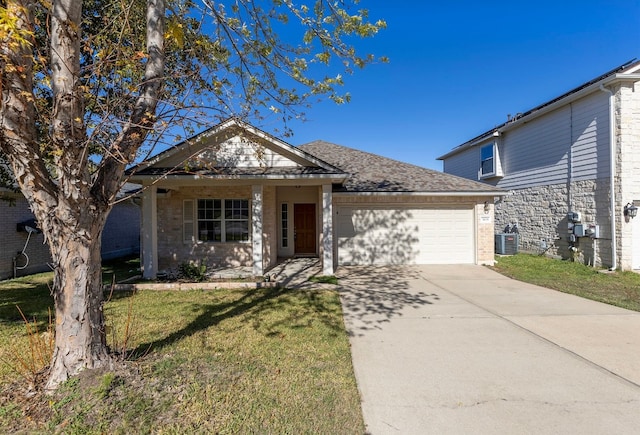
{"type": "Point", "coordinates": [571, 167]}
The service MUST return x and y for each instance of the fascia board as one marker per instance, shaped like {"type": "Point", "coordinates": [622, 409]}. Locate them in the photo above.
{"type": "Point", "coordinates": [457, 193]}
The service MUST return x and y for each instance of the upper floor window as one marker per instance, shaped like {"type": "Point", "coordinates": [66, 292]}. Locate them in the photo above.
{"type": "Point", "coordinates": [489, 161]}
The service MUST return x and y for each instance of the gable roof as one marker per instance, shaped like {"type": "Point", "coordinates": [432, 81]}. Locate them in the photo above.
{"type": "Point", "coordinates": [172, 162]}
{"type": "Point", "coordinates": [627, 71]}
{"type": "Point", "coordinates": [373, 173]}
{"type": "Point", "coordinates": [349, 170]}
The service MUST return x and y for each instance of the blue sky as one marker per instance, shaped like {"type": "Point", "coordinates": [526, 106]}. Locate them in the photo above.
{"type": "Point", "coordinates": [458, 68]}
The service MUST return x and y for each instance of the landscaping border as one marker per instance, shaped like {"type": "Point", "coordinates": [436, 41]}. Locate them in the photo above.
{"type": "Point", "coordinates": [183, 286]}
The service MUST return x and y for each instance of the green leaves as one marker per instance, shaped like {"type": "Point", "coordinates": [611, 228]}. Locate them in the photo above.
{"type": "Point", "coordinates": [11, 31]}
{"type": "Point", "coordinates": [246, 58]}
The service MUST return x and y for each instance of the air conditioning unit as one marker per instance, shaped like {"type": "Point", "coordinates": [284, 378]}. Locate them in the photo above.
{"type": "Point", "coordinates": [507, 243]}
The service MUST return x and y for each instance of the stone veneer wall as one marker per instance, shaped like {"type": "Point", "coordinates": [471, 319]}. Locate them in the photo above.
{"type": "Point", "coordinates": [484, 225]}
{"type": "Point", "coordinates": [172, 250]}
{"type": "Point", "coordinates": [541, 215]}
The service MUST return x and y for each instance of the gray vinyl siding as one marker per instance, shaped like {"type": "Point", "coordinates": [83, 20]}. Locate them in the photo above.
{"type": "Point", "coordinates": [572, 138]}
{"type": "Point", "coordinates": [465, 164]}
{"type": "Point", "coordinates": [121, 234]}
{"type": "Point", "coordinates": [537, 152]}
{"type": "Point", "coordinates": [590, 134]}
{"type": "Point", "coordinates": [544, 150]}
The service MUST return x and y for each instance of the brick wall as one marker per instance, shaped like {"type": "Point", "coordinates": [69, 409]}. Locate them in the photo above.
{"type": "Point", "coordinates": [485, 250]}
{"type": "Point", "coordinates": [627, 128]}
{"type": "Point", "coordinates": [172, 250]}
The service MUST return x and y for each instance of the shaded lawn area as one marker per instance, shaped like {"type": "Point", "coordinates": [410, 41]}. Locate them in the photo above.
{"type": "Point", "coordinates": [267, 361]}
{"type": "Point", "coordinates": [621, 289]}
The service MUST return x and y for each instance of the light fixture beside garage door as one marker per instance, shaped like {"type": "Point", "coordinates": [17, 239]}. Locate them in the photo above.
{"type": "Point", "coordinates": [630, 210]}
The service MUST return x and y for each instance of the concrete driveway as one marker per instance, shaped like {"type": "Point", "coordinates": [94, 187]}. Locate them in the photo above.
{"type": "Point", "coordinates": [464, 350]}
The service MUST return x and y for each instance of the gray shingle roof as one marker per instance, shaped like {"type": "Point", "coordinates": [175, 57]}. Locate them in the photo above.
{"type": "Point", "coordinates": [373, 173]}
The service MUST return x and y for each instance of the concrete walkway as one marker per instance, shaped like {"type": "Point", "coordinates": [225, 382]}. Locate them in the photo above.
{"type": "Point", "coordinates": [464, 350]}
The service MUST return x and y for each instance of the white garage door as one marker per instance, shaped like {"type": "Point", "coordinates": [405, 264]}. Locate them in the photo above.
{"type": "Point", "coordinates": [375, 235]}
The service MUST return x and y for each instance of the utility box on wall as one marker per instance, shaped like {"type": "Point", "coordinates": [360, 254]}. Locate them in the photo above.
{"type": "Point", "coordinates": [507, 243]}
{"type": "Point", "coordinates": [587, 230]}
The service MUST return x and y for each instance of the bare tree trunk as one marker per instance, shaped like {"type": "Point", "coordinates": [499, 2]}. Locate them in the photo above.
{"type": "Point", "coordinates": [80, 335]}
{"type": "Point", "coordinates": [72, 208]}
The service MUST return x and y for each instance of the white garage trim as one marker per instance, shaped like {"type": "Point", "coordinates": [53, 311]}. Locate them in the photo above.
{"type": "Point", "coordinates": [374, 234]}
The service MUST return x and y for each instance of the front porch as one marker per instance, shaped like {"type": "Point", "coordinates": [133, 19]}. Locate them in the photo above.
{"type": "Point", "coordinates": [184, 223]}
{"type": "Point", "coordinates": [286, 271]}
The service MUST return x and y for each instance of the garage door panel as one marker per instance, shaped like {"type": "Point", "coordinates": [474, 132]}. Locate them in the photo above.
{"type": "Point", "coordinates": [369, 235]}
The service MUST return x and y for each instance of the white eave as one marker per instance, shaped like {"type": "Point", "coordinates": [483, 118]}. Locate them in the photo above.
{"type": "Point", "coordinates": [335, 178]}
{"type": "Point", "coordinates": [439, 193]}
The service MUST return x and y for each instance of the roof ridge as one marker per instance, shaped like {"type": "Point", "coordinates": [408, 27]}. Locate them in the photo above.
{"type": "Point", "coordinates": [377, 156]}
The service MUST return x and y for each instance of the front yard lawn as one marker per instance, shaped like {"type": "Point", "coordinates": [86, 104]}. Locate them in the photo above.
{"type": "Point", "coordinates": [616, 288]}
{"type": "Point", "coordinates": [259, 361]}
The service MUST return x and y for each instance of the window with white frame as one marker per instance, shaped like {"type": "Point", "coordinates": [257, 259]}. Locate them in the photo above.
{"type": "Point", "coordinates": [216, 220]}
{"type": "Point", "coordinates": [489, 161]}
{"type": "Point", "coordinates": [284, 214]}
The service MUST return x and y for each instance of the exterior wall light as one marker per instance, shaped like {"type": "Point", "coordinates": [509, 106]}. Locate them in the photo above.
{"type": "Point", "coordinates": [486, 207]}
{"type": "Point", "coordinates": [630, 210]}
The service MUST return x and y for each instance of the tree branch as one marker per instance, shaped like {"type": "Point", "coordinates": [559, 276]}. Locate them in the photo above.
{"type": "Point", "coordinates": [18, 134]}
{"type": "Point", "coordinates": [134, 132]}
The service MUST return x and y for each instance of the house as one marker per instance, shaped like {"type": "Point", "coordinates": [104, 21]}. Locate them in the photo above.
{"type": "Point", "coordinates": [237, 196]}
{"type": "Point", "coordinates": [23, 251]}
{"type": "Point", "coordinates": [571, 167]}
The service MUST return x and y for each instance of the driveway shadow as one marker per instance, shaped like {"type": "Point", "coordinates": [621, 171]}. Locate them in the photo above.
{"type": "Point", "coordinates": [372, 295]}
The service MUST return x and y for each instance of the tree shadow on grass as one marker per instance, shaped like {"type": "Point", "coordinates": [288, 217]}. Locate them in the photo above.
{"type": "Point", "coordinates": [373, 295]}
{"type": "Point", "coordinates": [30, 293]}
{"type": "Point", "coordinates": [294, 308]}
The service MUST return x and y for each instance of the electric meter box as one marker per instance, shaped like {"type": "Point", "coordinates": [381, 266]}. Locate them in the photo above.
{"type": "Point", "coordinates": [593, 231]}
{"type": "Point", "coordinates": [587, 230]}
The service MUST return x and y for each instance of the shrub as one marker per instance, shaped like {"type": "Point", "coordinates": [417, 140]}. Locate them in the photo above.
{"type": "Point", "coordinates": [191, 271]}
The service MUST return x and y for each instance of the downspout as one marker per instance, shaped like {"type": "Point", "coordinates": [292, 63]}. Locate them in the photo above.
{"type": "Point", "coordinates": [612, 170]}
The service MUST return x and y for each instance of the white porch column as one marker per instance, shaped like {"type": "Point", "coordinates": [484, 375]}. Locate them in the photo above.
{"type": "Point", "coordinates": [256, 229]}
{"type": "Point", "coordinates": [149, 232]}
{"type": "Point", "coordinates": [327, 230]}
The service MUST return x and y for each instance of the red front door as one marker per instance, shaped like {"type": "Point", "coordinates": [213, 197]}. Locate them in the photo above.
{"type": "Point", "coordinates": [304, 228]}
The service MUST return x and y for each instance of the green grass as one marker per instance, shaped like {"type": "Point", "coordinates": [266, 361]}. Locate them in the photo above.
{"type": "Point", "coordinates": [120, 269]}
{"type": "Point", "coordinates": [324, 279]}
{"type": "Point", "coordinates": [617, 288]}
{"type": "Point", "coordinates": [260, 361]}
